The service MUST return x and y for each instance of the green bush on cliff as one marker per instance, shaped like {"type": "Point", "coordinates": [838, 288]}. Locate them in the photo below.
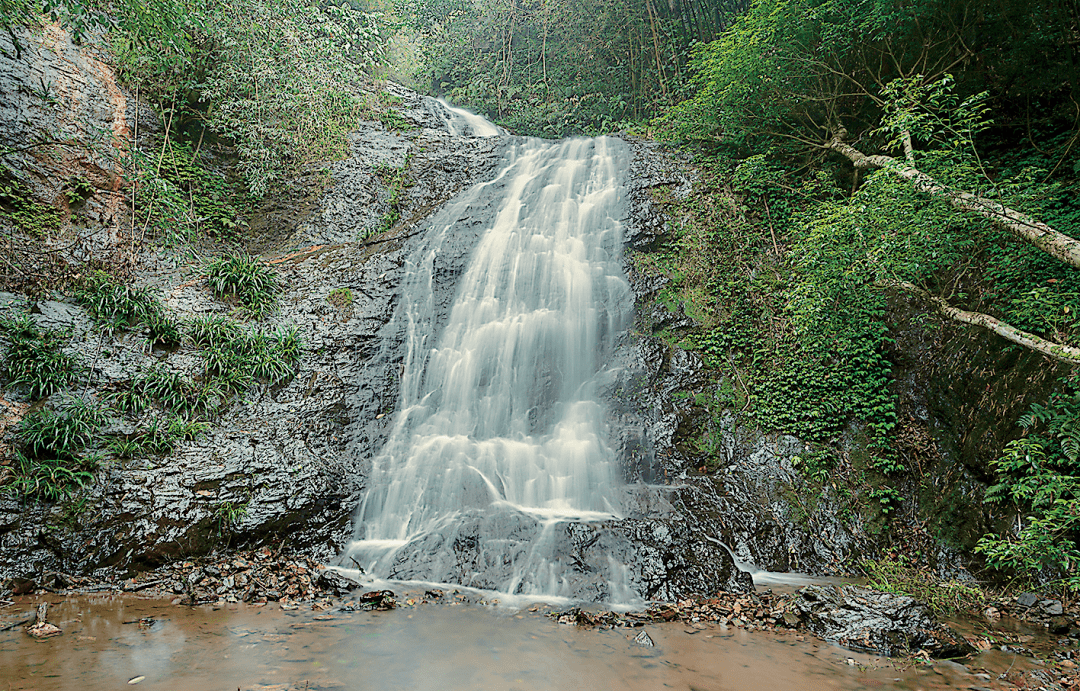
{"type": "Point", "coordinates": [118, 305]}
{"type": "Point", "coordinates": [247, 279]}
{"type": "Point", "coordinates": [235, 357]}
{"type": "Point", "coordinates": [281, 80]}
{"type": "Point", "coordinates": [35, 358]}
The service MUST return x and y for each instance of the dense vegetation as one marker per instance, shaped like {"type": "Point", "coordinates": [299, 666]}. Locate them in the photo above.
{"type": "Point", "coordinates": [553, 68]}
{"type": "Point", "coordinates": [906, 148]}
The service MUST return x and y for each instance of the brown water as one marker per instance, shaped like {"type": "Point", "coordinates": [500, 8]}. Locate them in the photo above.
{"type": "Point", "coordinates": [104, 646]}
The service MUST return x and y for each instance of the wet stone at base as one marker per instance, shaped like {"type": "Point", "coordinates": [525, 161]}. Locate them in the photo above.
{"type": "Point", "coordinates": [865, 619]}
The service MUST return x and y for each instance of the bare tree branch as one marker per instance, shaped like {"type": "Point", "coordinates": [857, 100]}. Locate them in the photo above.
{"type": "Point", "coordinates": [1010, 333]}
{"type": "Point", "coordinates": [1036, 232]}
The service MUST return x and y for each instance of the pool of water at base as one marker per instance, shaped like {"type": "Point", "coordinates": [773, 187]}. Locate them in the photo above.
{"type": "Point", "coordinates": [110, 642]}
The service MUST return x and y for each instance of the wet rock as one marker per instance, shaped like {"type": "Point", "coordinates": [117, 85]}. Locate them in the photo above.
{"type": "Point", "coordinates": [1060, 624]}
{"type": "Point", "coordinates": [865, 619]}
{"type": "Point", "coordinates": [1027, 599]}
{"type": "Point", "coordinates": [643, 639]}
{"type": "Point", "coordinates": [20, 586]}
{"type": "Point", "coordinates": [44, 630]}
{"type": "Point", "coordinates": [335, 582]}
{"type": "Point", "coordinates": [377, 600]}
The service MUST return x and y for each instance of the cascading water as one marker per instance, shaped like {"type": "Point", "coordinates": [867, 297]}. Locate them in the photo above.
{"type": "Point", "coordinates": [460, 122]}
{"type": "Point", "coordinates": [498, 443]}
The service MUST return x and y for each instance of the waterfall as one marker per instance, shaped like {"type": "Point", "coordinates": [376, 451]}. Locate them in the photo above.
{"type": "Point", "coordinates": [499, 438]}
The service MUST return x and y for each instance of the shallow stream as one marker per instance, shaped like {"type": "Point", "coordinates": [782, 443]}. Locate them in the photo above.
{"type": "Point", "coordinates": [114, 641]}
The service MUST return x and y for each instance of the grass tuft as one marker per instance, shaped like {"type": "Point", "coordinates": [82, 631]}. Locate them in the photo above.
{"type": "Point", "coordinates": [34, 358]}
{"type": "Point", "coordinates": [247, 279]}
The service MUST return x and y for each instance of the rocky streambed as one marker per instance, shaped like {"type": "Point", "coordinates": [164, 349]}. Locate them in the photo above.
{"type": "Point", "coordinates": [438, 639]}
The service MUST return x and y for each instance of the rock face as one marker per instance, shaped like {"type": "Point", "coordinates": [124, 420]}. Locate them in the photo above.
{"type": "Point", "coordinates": [66, 127]}
{"type": "Point", "coordinates": [865, 619]}
{"type": "Point", "coordinates": [284, 465]}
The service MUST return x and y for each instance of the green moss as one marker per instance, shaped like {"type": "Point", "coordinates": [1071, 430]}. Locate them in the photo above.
{"type": "Point", "coordinates": [341, 298]}
{"type": "Point", "coordinates": [18, 205]}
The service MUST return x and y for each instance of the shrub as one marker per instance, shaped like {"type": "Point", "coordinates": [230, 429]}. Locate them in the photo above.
{"type": "Point", "coordinates": [1037, 475]}
{"type": "Point", "coordinates": [51, 463]}
{"type": "Point", "coordinates": [63, 433]}
{"type": "Point", "coordinates": [251, 282]}
{"type": "Point", "coordinates": [48, 479]}
{"type": "Point", "coordinates": [122, 306]}
{"type": "Point", "coordinates": [895, 576]}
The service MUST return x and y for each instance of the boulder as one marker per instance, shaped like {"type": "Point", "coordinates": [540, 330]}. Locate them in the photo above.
{"type": "Point", "coordinates": [870, 620]}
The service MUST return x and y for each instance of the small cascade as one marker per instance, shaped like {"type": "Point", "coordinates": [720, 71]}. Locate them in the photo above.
{"type": "Point", "coordinates": [462, 123]}
{"type": "Point", "coordinates": [498, 445]}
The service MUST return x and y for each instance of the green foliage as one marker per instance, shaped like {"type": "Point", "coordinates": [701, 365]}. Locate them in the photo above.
{"type": "Point", "coordinates": [553, 69]}
{"type": "Point", "coordinates": [77, 190]}
{"type": "Point", "coordinates": [885, 498]}
{"type": "Point", "coordinates": [51, 463]}
{"type": "Point", "coordinates": [284, 80]}
{"type": "Point", "coordinates": [807, 352]}
{"type": "Point", "coordinates": [227, 514]}
{"type": "Point", "coordinates": [174, 391]}
{"type": "Point", "coordinates": [900, 577]}
{"type": "Point", "coordinates": [253, 283]}
{"type": "Point", "coordinates": [816, 465]}
{"type": "Point", "coordinates": [159, 437]}
{"type": "Point", "coordinates": [178, 196]}
{"type": "Point", "coordinates": [49, 479]}
{"type": "Point", "coordinates": [790, 69]}
{"type": "Point", "coordinates": [394, 121]}
{"type": "Point", "coordinates": [397, 181]}
{"type": "Point", "coordinates": [19, 205]}
{"type": "Point", "coordinates": [63, 433]}
{"type": "Point", "coordinates": [122, 306]}
{"type": "Point", "coordinates": [1039, 475]}
{"type": "Point", "coordinates": [170, 390]}
{"type": "Point", "coordinates": [34, 358]}
{"type": "Point", "coordinates": [235, 358]}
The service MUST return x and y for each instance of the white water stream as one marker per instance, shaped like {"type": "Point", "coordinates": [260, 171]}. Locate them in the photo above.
{"type": "Point", "coordinates": [498, 437]}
